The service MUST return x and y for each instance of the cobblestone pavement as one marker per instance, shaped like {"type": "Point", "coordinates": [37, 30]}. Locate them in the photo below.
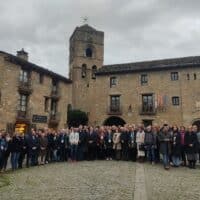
{"type": "Point", "coordinates": [80, 181]}
{"type": "Point", "coordinates": [100, 180]}
{"type": "Point", "coordinates": [175, 184]}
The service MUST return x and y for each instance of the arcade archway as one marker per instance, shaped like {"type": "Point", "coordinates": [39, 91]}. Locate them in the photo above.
{"type": "Point", "coordinates": [114, 120]}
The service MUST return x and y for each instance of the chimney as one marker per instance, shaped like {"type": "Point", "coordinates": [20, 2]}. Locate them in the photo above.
{"type": "Point", "coordinates": [22, 54]}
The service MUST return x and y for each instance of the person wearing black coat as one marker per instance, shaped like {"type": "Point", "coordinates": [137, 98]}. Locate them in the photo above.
{"type": "Point", "coordinates": [61, 146]}
{"type": "Point", "coordinates": [3, 148]}
{"type": "Point", "coordinates": [101, 144]}
{"type": "Point", "coordinates": [15, 150]}
{"type": "Point", "coordinates": [8, 151]}
{"type": "Point", "coordinates": [124, 137]}
{"type": "Point", "coordinates": [191, 143]}
{"type": "Point", "coordinates": [23, 150]}
{"type": "Point", "coordinates": [49, 154]}
{"type": "Point", "coordinates": [176, 147]}
{"type": "Point", "coordinates": [82, 143]}
{"type": "Point", "coordinates": [33, 146]}
{"type": "Point", "coordinates": [92, 144]}
{"type": "Point", "coordinates": [109, 144]}
{"type": "Point", "coordinates": [67, 145]}
{"type": "Point", "coordinates": [132, 145]}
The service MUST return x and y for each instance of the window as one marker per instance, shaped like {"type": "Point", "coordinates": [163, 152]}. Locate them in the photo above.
{"type": "Point", "coordinates": [174, 76]}
{"type": "Point", "coordinates": [84, 70]}
{"type": "Point", "coordinates": [175, 101]}
{"type": "Point", "coordinates": [24, 76]}
{"type": "Point", "coordinates": [41, 78]}
{"type": "Point", "coordinates": [188, 76]}
{"type": "Point", "coordinates": [53, 107]}
{"type": "Point", "coordinates": [46, 104]}
{"type": "Point", "coordinates": [113, 81]}
{"type": "Point", "coordinates": [147, 103]}
{"type": "Point", "coordinates": [23, 101]}
{"type": "Point", "coordinates": [54, 86]}
{"type": "Point", "coordinates": [88, 52]}
{"type": "Point", "coordinates": [195, 77]}
{"type": "Point", "coordinates": [144, 79]}
{"type": "Point", "coordinates": [94, 70]}
{"type": "Point", "coordinates": [115, 103]}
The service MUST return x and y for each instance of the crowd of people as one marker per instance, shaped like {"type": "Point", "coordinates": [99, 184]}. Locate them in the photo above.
{"type": "Point", "coordinates": [172, 145]}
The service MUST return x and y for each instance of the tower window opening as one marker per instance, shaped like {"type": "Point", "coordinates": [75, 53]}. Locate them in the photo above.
{"type": "Point", "coordinates": [88, 52]}
{"type": "Point", "coordinates": [84, 69]}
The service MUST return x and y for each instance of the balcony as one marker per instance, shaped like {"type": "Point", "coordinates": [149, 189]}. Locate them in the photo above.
{"type": "Point", "coordinates": [55, 94]}
{"type": "Point", "coordinates": [54, 118]}
{"type": "Point", "coordinates": [114, 110]}
{"type": "Point", "coordinates": [25, 87]}
{"type": "Point", "coordinates": [148, 110]}
{"type": "Point", "coordinates": [23, 116]}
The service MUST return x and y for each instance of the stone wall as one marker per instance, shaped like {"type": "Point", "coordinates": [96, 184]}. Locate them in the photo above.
{"type": "Point", "coordinates": [9, 82]}
{"type": "Point", "coordinates": [159, 83]}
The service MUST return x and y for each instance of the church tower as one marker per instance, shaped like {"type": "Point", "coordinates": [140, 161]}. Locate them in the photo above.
{"type": "Point", "coordinates": [85, 57]}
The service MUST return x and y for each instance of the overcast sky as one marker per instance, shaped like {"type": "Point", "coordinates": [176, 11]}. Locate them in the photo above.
{"type": "Point", "coordinates": [135, 30]}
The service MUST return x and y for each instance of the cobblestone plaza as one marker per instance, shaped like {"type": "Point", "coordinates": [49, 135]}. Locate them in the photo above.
{"type": "Point", "coordinates": [100, 180]}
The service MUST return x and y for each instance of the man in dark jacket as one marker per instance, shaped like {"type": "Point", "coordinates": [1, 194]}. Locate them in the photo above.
{"type": "Point", "coordinates": [49, 152]}
{"type": "Point", "coordinates": [124, 142]}
{"type": "Point", "coordinates": [23, 150]}
{"type": "Point", "coordinates": [82, 143]}
{"type": "Point", "coordinates": [8, 151]}
{"type": "Point", "coordinates": [132, 144]}
{"type": "Point", "coordinates": [3, 148]}
{"type": "Point", "coordinates": [15, 150]}
{"type": "Point", "coordinates": [33, 146]}
{"type": "Point", "coordinates": [191, 143]}
{"type": "Point", "coordinates": [92, 144]}
{"type": "Point", "coordinates": [61, 145]}
{"type": "Point", "coordinates": [109, 144]}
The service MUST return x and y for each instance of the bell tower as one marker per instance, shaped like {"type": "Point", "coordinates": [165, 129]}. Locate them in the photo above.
{"type": "Point", "coordinates": [86, 55]}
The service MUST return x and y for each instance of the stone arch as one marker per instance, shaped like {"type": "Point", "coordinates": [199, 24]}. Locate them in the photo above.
{"type": "Point", "coordinates": [114, 120]}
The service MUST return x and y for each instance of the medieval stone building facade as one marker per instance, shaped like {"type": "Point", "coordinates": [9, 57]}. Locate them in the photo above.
{"type": "Point", "coordinates": [148, 92]}
{"type": "Point", "coordinates": [31, 96]}
{"type": "Point", "coordinates": [160, 91]}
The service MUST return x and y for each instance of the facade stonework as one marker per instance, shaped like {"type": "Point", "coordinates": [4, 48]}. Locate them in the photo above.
{"type": "Point", "coordinates": [94, 95]}
{"type": "Point", "coordinates": [38, 89]}
{"type": "Point", "coordinates": [160, 91]}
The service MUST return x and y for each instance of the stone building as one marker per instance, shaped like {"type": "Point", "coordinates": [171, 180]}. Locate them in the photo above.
{"type": "Point", "coordinates": [159, 91]}
{"type": "Point", "coordinates": [31, 96]}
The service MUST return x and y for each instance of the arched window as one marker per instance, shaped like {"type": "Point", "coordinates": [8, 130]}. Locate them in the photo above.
{"type": "Point", "coordinates": [94, 70]}
{"type": "Point", "coordinates": [88, 52]}
{"type": "Point", "coordinates": [84, 70]}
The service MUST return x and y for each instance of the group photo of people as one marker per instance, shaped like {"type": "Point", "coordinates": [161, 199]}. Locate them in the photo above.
{"type": "Point", "coordinates": [171, 146]}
